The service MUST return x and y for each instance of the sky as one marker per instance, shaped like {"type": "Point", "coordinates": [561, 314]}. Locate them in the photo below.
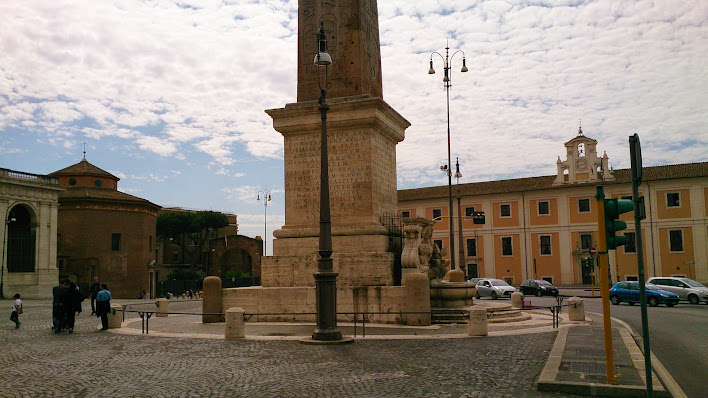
{"type": "Point", "coordinates": [169, 95]}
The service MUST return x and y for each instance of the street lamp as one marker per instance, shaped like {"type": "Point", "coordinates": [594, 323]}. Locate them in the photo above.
{"type": "Point", "coordinates": [458, 175]}
{"type": "Point", "coordinates": [4, 249]}
{"type": "Point", "coordinates": [447, 83]}
{"type": "Point", "coordinates": [325, 277]}
{"type": "Point", "coordinates": [266, 199]}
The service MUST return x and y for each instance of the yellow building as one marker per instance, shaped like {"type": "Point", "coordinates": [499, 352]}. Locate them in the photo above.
{"type": "Point", "coordinates": [544, 227]}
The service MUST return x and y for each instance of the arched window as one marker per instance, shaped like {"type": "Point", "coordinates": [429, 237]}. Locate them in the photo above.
{"type": "Point", "coordinates": [20, 240]}
{"type": "Point", "coordinates": [581, 149]}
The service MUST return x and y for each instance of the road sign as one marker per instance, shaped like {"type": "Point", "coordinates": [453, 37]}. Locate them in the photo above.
{"type": "Point", "coordinates": [593, 250]}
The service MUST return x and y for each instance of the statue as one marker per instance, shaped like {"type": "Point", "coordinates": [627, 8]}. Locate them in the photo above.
{"type": "Point", "coordinates": [419, 251]}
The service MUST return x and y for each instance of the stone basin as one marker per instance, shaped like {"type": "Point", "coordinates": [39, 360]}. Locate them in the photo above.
{"type": "Point", "coordinates": [452, 294]}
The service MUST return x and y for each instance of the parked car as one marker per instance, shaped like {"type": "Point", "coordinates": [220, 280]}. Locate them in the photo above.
{"type": "Point", "coordinates": [474, 280]}
{"type": "Point", "coordinates": [493, 288]}
{"type": "Point", "coordinates": [685, 288]}
{"type": "Point", "coordinates": [538, 287]}
{"type": "Point", "coordinates": [629, 293]}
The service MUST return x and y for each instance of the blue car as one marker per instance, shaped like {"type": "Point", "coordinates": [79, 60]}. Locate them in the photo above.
{"type": "Point", "coordinates": [629, 293]}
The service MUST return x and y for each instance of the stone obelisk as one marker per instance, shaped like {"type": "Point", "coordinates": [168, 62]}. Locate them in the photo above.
{"type": "Point", "coordinates": [362, 135]}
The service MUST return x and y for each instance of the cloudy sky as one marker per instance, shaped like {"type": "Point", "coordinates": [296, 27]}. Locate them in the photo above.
{"type": "Point", "coordinates": [169, 95]}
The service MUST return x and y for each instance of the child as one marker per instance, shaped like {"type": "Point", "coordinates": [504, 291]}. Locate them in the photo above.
{"type": "Point", "coordinates": [16, 310]}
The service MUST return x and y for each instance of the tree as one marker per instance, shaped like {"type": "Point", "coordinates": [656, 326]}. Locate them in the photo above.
{"type": "Point", "coordinates": [189, 230]}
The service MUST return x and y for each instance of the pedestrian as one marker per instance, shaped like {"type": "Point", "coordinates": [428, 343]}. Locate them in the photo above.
{"type": "Point", "coordinates": [16, 310]}
{"type": "Point", "coordinates": [103, 305]}
{"type": "Point", "coordinates": [72, 305]}
{"type": "Point", "coordinates": [93, 291]}
{"type": "Point", "coordinates": [58, 305]}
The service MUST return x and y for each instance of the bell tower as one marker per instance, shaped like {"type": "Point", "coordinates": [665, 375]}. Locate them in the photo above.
{"type": "Point", "coordinates": [582, 163]}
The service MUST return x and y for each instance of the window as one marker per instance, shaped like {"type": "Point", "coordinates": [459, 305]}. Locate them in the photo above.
{"type": "Point", "coordinates": [631, 246]}
{"type": "Point", "coordinates": [631, 277]}
{"type": "Point", "coordinates": [175, 257]}
{"type": "Point", "coordinates": [505, 210]}
{"type": "Point", "coordinates": [543, 208]}
{"type": "Point", "coordinates": [115, 242]}
{"type": "Point", "coordinates": [405, 214]}
{"type": "Point", "coordinates": [548, 279]}
{"type": "Point", "coordinates": [506, 246]}
{"type": "Point", "coordinates": [437, 213]}
{"type": "Point", "coordinates": [581, 149]}
{"type": "Point", "coordinates": [585, 241]}
{"type": "Point", "coordinates": [676, 240]}
{"type": "Point", "coordinates": [672, 199]}
{"type": "Point", "coordinates": [438, 243]}
{"type": "Point", "coordinates": [472, 247]}
{"type": "Point", "coordinates": [469, 211]}
{"type": "Point", "coordinates": [150, 244]}
{"type": "Point", "coordinates": [584, 205]}
{"type": "Point", "coordinates": [545, 245]}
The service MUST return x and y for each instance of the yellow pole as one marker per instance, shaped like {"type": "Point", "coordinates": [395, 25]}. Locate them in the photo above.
{"type": "Point", "coordinates": [592, 273]}
{"type": "Point", "coordinates": [604, 286]}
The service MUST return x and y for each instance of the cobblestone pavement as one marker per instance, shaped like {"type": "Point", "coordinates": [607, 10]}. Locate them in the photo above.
{"type": "Point", "coordinates": [89, 363]}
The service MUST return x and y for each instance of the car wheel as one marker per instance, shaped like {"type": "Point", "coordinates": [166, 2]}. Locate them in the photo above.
{"type": "Point", "coordinates": [494, 295]}
{"type": "Point", "coordinates": [693, 299]}
{"type": "Point", "coordinates": [653, 301]}
{"type": "Point", "coordinates": [670, 304]}
{"type": "Point", "coordinates": [476, 295]}
{"type": "Point", "coordinates": [631, 303]}
{"type": "Point", "coordinates": [539, 293]}
{"type": "Point", "coordinates": [615, 300]}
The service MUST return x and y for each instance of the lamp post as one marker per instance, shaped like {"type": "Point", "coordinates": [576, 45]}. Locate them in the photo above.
{"type": "Point", "coordinates": [459, 218]}
{"type": "Point", "coordinates": [266, 199]}
{"type": "Point", "coordinates": [325, 277]}
{"type": "Point", "coordinates": [447, 59]}
{"type": "Point", "coordinates": [4, 249]}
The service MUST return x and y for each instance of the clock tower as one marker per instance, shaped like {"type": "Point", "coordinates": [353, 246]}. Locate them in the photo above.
{"type": "Point", "coordinates": [582, 163]}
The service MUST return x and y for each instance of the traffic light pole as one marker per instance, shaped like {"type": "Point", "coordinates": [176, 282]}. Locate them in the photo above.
{"type": "Point", "coordinates": [604, 290]}
{"type": "Point", "coordinates": [636, 157]}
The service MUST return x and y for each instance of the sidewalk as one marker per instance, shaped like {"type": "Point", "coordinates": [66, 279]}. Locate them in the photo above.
{"type": "Point", "coordinates": [576, 364]}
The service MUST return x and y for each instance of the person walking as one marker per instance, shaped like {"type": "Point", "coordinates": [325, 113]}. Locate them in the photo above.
{"type": "Point", "coordinates": [16, 310]}
{"type": "Point", "coordinates": [103, 305]}
{"type": "Point", "coordinates": [93, 291]}
{"type": "Point", "coordinates": [72, 305]}
{"type": "Point", "coordinates": [58, 306]}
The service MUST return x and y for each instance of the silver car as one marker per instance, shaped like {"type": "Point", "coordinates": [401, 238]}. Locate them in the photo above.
{"type": "Point", "coordinates": [685, 288]}
{"type": "Point", "coordinates": [493, 288]}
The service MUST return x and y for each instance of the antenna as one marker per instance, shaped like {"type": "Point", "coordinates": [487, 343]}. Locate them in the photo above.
{"type": "Point", "coordinates": [84, 150]}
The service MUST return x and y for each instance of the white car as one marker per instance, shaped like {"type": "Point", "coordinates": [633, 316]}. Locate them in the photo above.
{"type": "Point", "coordinates": [493, 288]}
{"type": "Point", "coordinates": [685, 288]}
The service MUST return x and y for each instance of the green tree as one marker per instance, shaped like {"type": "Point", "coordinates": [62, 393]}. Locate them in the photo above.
{"type": "Point", "coordinates": [190, 230]}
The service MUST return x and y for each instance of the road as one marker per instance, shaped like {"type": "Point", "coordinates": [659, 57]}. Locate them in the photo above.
{"type": "Point", "coordinates": [678, 337]}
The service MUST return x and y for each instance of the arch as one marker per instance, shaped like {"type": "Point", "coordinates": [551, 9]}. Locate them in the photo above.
{"type": "Point", "coordinates": [236, 259]}
{"type": "Point", "coordinates": [21, 239]}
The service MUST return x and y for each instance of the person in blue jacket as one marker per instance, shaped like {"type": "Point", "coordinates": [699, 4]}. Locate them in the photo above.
{"type": "Point", "coordinates": [103, 305]}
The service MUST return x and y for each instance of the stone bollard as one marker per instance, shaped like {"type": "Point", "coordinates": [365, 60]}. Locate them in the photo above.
{"type": "Point", "coordinates": [115, 317]}
{"type": "Point", "coordinates": [235, 325]}
{"type": "Point", "coordinates": [212, 302]}
{"type": "Point", "coordinates": [477, 324]}
{"type": "Point", "coordinates": [455, 275]}
{"type": "Point", "coordinates": [576, 309]}
{"type": "Point", "coordinates": [517, 300]}
{"type": "Point", "coordinates": [418, 299]}
{"type": "Point", "coordinates": [163, 307]}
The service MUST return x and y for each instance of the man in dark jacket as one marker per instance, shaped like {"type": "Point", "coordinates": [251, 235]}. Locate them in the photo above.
{"type": "Point", "coordinates": [58, 305]}
{"type": "Point", "coordinates": [72, 305]}
{"type": "Point", "coordinates": [93, 291]}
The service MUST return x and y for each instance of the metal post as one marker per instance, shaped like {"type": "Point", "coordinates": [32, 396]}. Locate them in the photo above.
{"type": "Point", "coordinates": [462, 263]}
{"type": "Point", "coordinates": [635, 155]}
{"type": "Point", "coordinates": [325, 277]}
{"type": "Point", "coordinates": [604, 291]}
{"type": "Point", "coordinates": [447, 83]}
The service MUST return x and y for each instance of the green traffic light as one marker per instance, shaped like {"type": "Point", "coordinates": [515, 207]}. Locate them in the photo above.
{"type": "Point", "coordinates": [613, 209]}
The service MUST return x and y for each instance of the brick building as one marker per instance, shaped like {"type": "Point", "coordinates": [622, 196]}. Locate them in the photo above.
{"type": "Point", "coordinates": [104, 232]}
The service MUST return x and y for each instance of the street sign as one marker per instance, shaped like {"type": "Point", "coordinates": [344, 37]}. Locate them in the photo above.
{"type": "Point", "coordinates": [635, 153]}
{"type": "Point", "coordinates": [593, 250]}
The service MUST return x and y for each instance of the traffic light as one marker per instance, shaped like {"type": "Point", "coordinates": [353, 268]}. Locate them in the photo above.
{"type": "Point", "coordinates": [613, 209]}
